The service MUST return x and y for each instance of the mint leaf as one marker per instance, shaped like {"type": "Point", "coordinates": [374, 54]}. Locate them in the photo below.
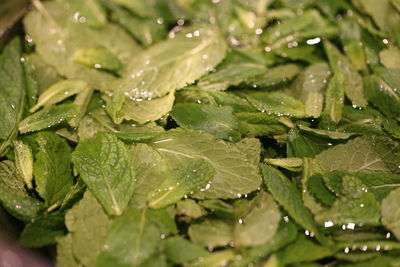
{"type": "Point", "coordinates": [390, 212]}
{"type": "Point", "coordinates": [179, 250]}
{"type": "Point", "coordinates": [12, 93]}
{"type": "Point", "coordinates": [234, 175]}
{"type": "Point", "coordinates": [88, 225]}
{"type": "Point", "coordinates": [187, 179]}
{"type": "Point", "coordinates": [105, 166]}
{"type": "Point", "coordinates": [52, 167]}
{"type": "Point", "coordinates": [48, 117]}
{"type": "Point", "coordinates": [24, 162]}
{"type": "Point", "coordinates": [290, 198]}
{"type": "Point", "coordinates": [211, 233]}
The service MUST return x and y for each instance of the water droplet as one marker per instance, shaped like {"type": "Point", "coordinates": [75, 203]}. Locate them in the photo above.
{"type": "Point", "coordinates": [160, 20]}
{"type": "Point", "coordinates": [162, 236]}
{"type": "Point", "coordinates": [328, 224]}
{"type": "Point", "coordinates": [240, 221]}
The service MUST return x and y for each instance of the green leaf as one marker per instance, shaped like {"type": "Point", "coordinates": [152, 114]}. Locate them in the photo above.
{"type": "Point", "coordinates": [352, 81]}
{"type": "Point", "coordinates": [260, 223]}
{"type": "Point", "coordinates": [24, 162]}
{"type": "Point", "coordinates": [219, 258]}
{"type": "Point", "coordinates": [65, 256]}
{"type": "Point", "coordinates": [131, 240]}
{"type": "Point", "coordinates": [98, 58]}
{"type": "Point", "coordinates": [140, 110]}
{"type": "Point", "coordinates": [88, 225]}
{"type": "Point", "coordinates": [12, 93]}
{"type": "Point", "coordinates": [366, 154]}
{"type": "Point", "coordinates": [390, 212]}
{"type": "Point", "coordinates": [277, 103]}
{"type": "Point", "coordinates": [234, 175]}
{"type": "Point", "coordinates": [105, 166]}
{"type": "Point", "coordinates": [382, 92]}
{"type": "Point", "coordinates": [355, 205]}
{"type": "Point", "coordinates": [260, 124]}
{"type": "Point", "coordinates": [309, 86]}
{"type": "Point", "coordinates": [43, 231]}
{"type": "Point", "coordinates": [13, 195]}
{"type": "Point", "coordinates": [334, 98]}
{"type": "Point", "coordinates": [276, 76]}
{"type": "Point", "coordinates": [192, 176]}
{"type": "Point", "coordinates": [326, 133]}
{"type": "Point", "coordinates": [146, 76]}
{"type": "Point", "coordinates": [303, 250]}
{"type": "Point", "coordinates": [48, 117]}
{"type": "Point", "coordinates": [57, 34]}
{"type": "Point", "coordinates": [218, 121]}
{"type": "Point", "coordinates": [59, 92]}
{"type": "Point", "coordinates": [190, 208]}
{"type": "Point", "coordinates": [179, 250]}
{"type": "Point", "coordinates": [211, 233]}
{"type": "Point", "coordinates": [292, 164]}
{"type": "Point", "coordinates": [289, 197]}
{"type": "Point", "coordinates": [91, 12]}
{"type": "Point", "coordinates": [150, 169]}
{"type": "Point", "coordinates": [52, 167]}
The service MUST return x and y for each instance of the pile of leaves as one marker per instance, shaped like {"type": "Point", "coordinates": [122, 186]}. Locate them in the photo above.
{"type": "Point", "coordinates": [205, 133]}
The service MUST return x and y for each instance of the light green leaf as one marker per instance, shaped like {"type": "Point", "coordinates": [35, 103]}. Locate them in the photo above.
{"type": "Point", "coordinates": [366, 154]}
{"type": "Point", "coordinates": [12, 93]}
{"type": "Point", "coordinates": [179, 250]}
{"type": "Point", "coordinates": [215, 120]}
{"type": "Point", "coordinates": [150, 168]}
{"type": "Point", "coordinates": [254, 124]}
{"type": "Point", "coordinates": [211, 233]}
{"type": "Point", "coordinates": [131, 240]}
{"type": "Point", "coordinates": [289, 197]}
{"type": "Point", "coordinates": [235, 174]}
{"type": "Point", "coordinates": [190, 208]}
{"type": "Point", "coordinates": [326, 133]}
{"type": "Point", "coordinates": [303, 250]}
{"type": "Point", "coordinates": [260, 223]}
{"type": "Point", "coordinates": [277, 103]}
{"type": "Point", "coordinates": [48, 117]}
{"type": "Point", "coordinates": [57, 34]}
{"type": "Point", "coordinates": [13, 195]}
{"type": "Point", "coordinates": [140, 110]}
{"type": "Point", "coordinates": [106, 168]}
{"type": "Point", "coordinates": [334, 98]}
{"type": "Point", "coordinates": [309, 86]}
{"type": "Point", "coordinates": [24, 162]}
{"type": "Point", "coordinates": [275, 76]}
{"type": "Point", "coordinates": [182, 59]}
{"type": "Point", "coordinates": [58, 92]}
{"type": "Point", "coordinates": [192, 176]}
{"type": "Point", "coordinates": [65, 256]}
{"type": "Point", "coordinates": [291, 164]}
{"type": "Point", "coordinates": [52, 167]}
{"type": "Point", "coordinates": [88, 225]}
{"type": "Point", "coordinates": [90, 11]}
{"type": "Point", "coordinates": [352, 81]}
{"type": "Point", "coordinates": [98, 58]}
{"type": "Point", "coordinates": [390, 212]}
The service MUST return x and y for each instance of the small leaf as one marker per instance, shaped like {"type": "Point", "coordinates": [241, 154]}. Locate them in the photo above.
{"type": "Point", "coordinates": [334, 98]}
{"type": "Point", "coordinates": [58, 92]}
{"type": "Point", "coordinates": [191, 177]}
{"type": "Point", "coordinates": [24, 162]}
{"type": "Point", "coordinates": [211, 233]}
{"type": "Point", "coordinates": [48, 117]}
{"type": "Point", "coordinates": [179, 250]}
{"type": "Point", "coordinates": [105, 166]}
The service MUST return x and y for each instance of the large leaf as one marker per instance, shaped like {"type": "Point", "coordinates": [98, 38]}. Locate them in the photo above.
{"type": "Point", "coordinates": [57, 35]}
{"type": "Point", "coordinates": [12, 93]}
{"type": "Point", "coordinates": [167, 66]}
{"type": "Point", "coordinates": [207, 118]}
{"type": "Point", "coordinates": [260, 223]}
{"type": "Point", "coordinates": [365, 154]}
{"type": "Point", "coordinates": [235, 173]}
{"type": "Point", "coordinates": [52, 167]}
{"type": "Point", "coordinates": [132, 239]}
{"type": "Point", "coordinates": [106, 168]}
{"type": "Point", "coordinates": [88, 225]}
